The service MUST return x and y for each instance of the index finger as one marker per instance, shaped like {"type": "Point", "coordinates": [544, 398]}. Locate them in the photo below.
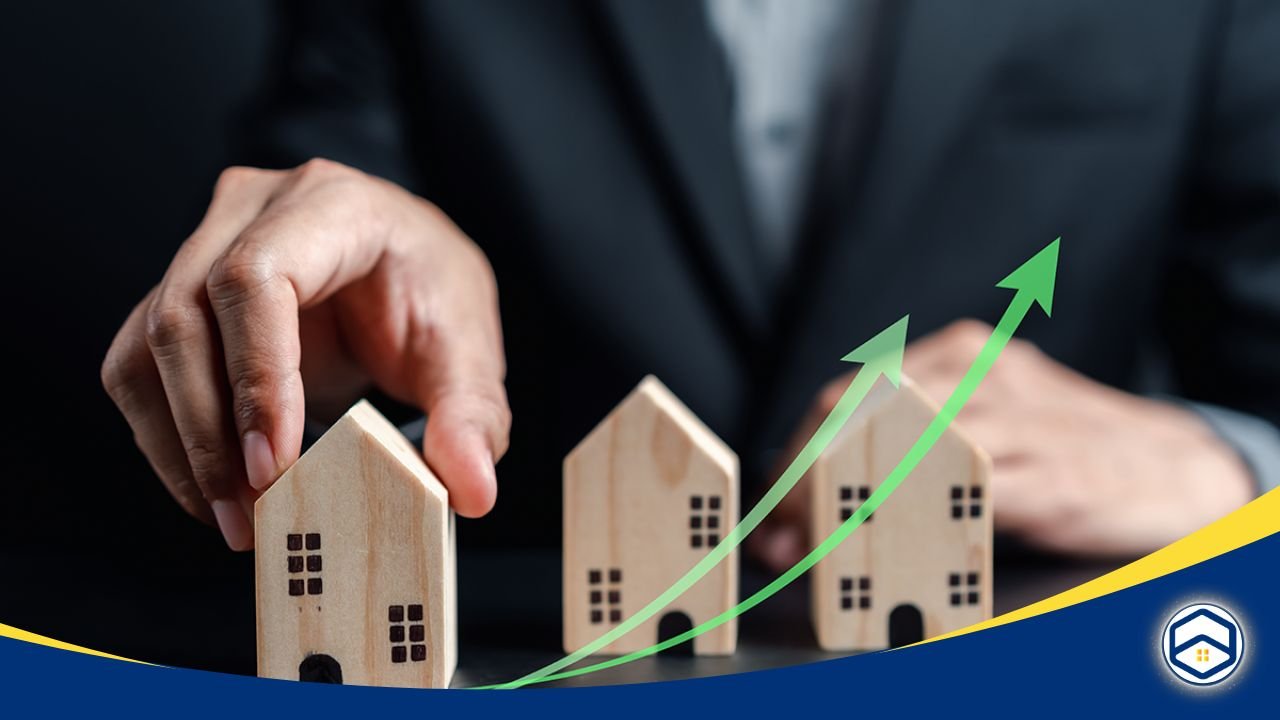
{"type": "Point", "coordinates": [300, 251]}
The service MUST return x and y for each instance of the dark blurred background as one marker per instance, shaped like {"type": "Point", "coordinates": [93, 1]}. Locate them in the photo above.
{"type": "Point", "coordinates": [118, 118]}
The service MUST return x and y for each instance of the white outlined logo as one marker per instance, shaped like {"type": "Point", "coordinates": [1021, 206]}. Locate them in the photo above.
{"type": "Point", "coordinates": [1202, 644]}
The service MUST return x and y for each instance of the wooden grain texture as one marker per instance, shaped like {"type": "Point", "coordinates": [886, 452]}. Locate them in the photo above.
{"type": "Point", "coordinates": [912, 552]}
{"type": "Point", "coordinates": [386, 540]}
{"type": "Point", "coordinates": [629, 507]}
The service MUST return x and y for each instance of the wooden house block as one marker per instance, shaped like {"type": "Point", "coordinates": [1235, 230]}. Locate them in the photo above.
{"type": "Point", "coordinates": [921, 564]}
{"type": "Point", "coordinates": [355, 563]}
{"type": "Point", "coordinates": [647, 494]}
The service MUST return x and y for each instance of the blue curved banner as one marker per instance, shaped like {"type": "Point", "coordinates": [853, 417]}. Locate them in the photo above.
{"type": "Point", "coordinates": [1095, 659]}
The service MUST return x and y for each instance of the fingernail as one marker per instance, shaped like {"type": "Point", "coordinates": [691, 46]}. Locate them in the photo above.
{"type": "Point", "coordinates": [259, 461]}
{"type": "Point", "coordinates": [247, 498]}
{"type": "Point", "coordinates": [233, 524]}
{"type": "Point", "coordinates": [491, 468]}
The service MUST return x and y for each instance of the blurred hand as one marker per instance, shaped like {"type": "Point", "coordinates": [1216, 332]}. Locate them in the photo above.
{"type": "Point", "coordinates": [1079, 467]}
{"type": "Point", "coordinates": [322, 277]}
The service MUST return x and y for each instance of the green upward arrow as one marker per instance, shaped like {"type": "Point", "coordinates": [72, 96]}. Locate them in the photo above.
{"type": "Point", "coordinates": [1033, 281]}
{"type": "Point", "coordinates": [881, 355]}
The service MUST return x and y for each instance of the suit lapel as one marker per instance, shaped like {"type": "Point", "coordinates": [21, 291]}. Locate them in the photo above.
{"type": "Point", "coordinates": [671, 59]}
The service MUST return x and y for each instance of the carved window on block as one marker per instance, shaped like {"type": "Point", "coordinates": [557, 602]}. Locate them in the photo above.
{"type": "Point", "coordinates": [855, 592]}
{"type": "Point", "coordinates": [848, 504]}
{"type": "Point", "coordinates": [960, 508]}
{"type": "Point", "coordinates": [705, 521]}
{"type": "Point", "coordinates": [305, 564]}
{"type": "Point", "coordinates": [963, 588]}
{"type": "Point", "coordinates": [604, 595]}
{"type": "Point", "coordinates": [408, 639]}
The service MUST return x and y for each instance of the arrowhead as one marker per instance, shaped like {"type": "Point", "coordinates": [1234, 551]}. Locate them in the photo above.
{"type": "Point", "coordinates": [1036, 276]}
{"type": "Point", "coordinates": [882, 354]}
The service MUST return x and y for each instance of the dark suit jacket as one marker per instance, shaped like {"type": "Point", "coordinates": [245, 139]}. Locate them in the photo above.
{"type": "Point", "coordinates": [586, 147]}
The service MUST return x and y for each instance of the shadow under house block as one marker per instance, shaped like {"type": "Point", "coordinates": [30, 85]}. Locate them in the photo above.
{"type": "Point", "coordinates": [647, 494]}
{"type": "Point", "coordinates": [355, 563]}
{"type": "Point", "coordinates": [919, 566]}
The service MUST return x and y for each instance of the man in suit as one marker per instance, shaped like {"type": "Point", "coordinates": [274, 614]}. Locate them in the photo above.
{"type": "Point", "coordinates": [731, 194]}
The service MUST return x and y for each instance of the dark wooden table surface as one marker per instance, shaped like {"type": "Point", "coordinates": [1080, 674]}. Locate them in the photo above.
{"type": "Point", "coordinates": [501, 644]}
{"type": "Point", "coordinates": [162, 608]}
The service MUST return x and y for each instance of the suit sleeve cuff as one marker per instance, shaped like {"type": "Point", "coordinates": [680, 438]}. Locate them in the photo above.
{"type": "Point", "coordinates": [1256, 440]}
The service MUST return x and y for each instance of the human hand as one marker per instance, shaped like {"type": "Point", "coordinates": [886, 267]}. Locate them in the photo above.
{"type": "Point", "coordinates": [323, 277]}
{"type": "Point", "coordinates": [1079, 467]}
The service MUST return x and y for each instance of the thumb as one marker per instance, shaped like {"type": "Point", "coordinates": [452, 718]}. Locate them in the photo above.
{"type": "Point", "coordinates": [467, 433]}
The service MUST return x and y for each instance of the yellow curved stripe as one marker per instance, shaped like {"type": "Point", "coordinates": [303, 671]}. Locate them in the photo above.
{"type": "Point", "coordinates": [1252, 522]}
{"type": "Point", "coordinates": [12, 632]}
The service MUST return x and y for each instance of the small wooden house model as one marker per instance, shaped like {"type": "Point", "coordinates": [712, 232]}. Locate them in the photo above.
{"type": "Point", "coordinates": [646, 495]}
{"type": "Point", "coordinates": [355, 563]}
{"type": "Point", "coordinates": [921, 564]}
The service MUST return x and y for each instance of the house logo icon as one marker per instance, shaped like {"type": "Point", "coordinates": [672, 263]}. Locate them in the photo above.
{"type": "Point", "coordinates": [1203, 644]}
